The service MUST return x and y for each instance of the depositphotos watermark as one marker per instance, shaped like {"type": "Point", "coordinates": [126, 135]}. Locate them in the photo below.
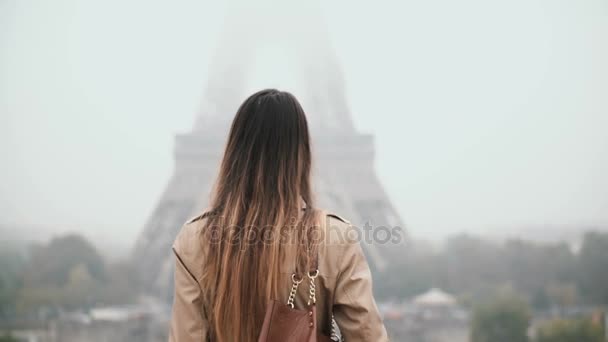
{"type": "Point", "coordinates": [330, 234]}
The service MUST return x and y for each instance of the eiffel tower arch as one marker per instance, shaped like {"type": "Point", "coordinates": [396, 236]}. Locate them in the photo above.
{"type": "Point", "coordinates": [343, 171]}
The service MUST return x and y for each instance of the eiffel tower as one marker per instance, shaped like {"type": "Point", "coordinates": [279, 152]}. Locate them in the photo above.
{"type": "Point", "coordinates": [343, 172]}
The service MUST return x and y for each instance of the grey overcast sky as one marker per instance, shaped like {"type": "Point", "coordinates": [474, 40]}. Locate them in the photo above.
{"type": "Point", "coordinates": [487, 114]}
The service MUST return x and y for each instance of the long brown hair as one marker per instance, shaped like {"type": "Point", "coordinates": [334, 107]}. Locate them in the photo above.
{"type": "Point", "coordinates": [262, 188]}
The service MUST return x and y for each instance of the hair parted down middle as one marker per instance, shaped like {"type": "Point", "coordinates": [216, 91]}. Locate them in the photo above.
{"type": "Point", "coordinates": [262, 195]}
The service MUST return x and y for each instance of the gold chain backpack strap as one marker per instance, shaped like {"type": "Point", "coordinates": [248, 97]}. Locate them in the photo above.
{"type": "Point", "coordinates": [333, 335]}
{"type": "Point", "coordinates": [312, 295]}
{"type": "Point", "coordinates": [295, 282]}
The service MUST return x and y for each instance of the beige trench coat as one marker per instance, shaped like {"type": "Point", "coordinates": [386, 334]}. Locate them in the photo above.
{"type": "Point", "coordinates": [344, 287]}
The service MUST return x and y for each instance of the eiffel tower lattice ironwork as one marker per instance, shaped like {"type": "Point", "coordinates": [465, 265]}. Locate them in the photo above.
{"type": "Point", "coordinates": [344, 174]}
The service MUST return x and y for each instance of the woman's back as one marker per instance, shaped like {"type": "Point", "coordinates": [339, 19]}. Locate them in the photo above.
{"type": "Point", "coordinates": [343, 286]}
{"type": "Point", "coordinates": [262, 227]}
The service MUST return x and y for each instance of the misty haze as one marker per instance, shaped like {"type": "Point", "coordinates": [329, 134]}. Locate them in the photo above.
{"type": "Point", "coordinates": [479, 127]}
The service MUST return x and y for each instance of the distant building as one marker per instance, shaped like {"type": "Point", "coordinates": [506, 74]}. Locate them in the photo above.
{"type": "Point", "coordinates": [112, 324]}
{"type": "Point", "coordinates": [435, 298]}
{"type": "Point", "coordinates": [433, 316]}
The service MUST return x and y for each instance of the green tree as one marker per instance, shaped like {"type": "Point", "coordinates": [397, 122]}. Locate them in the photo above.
{"type": "Point", "coordinates": [7, 338]}
{"type": "Point", "coordinates": [11, 263]}
{"type": "Point", "coordinates": [506, 318]}
{"type": "Point", "coordinates": [469, 264]}
{"type": "Point", "coordinates": [532, 266]}
{"type": "Point", "coordinates": [52, 264]}
{"type": "Point", "coordinates": [562, 295]}
{"type": "Point", "coordinates": [593, 263]}
{"type": "Point", "coordinates": [582, 330]}
{"type": "Point", "coordinates": [68, 273]}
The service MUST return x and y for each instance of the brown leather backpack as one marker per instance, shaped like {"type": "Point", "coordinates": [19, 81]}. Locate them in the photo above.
{"type": "Point", "coordinates": [284, 323]}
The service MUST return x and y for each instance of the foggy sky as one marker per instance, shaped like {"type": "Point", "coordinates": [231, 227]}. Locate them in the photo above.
{"type": "Point", "coordinates": [487, 114]}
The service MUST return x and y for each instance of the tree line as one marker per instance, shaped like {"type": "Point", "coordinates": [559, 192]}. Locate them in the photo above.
{"type": "Point", "coordinates": [546, 275]}
{"type": "Point", "coordinates": [67, 273]}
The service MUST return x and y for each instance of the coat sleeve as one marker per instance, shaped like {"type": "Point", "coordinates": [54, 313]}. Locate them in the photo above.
{"type": "Point", "coordinates": [355, 309]}
{"type": "Point", "coordinates": [187, 320]}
